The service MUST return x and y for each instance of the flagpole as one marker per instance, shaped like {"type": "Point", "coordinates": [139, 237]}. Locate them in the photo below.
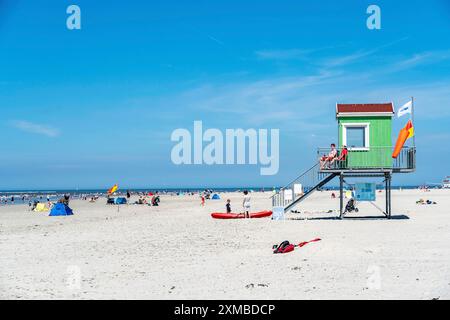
{"type": "Point", "coordinates": [412, 119]}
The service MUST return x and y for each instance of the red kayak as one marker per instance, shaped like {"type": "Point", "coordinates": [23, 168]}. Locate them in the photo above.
{"type": "Point", "coordinates": [262, 214]}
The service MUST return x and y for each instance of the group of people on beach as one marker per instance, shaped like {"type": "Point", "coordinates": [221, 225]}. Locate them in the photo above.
{"type": "Point", "coordinates": [155, 200]}
{"type": "Point", "coordinates": [65, 199]}
{"type": "Point", "coordinates": [327, 161]}
{"type": "Point", "coordinates": [13, 199]}
{"type": "Point", "coordinates": [4, 200]}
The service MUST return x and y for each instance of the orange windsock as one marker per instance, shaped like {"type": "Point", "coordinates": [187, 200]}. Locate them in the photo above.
{"type": "Point", "coordinates": [405, 133]}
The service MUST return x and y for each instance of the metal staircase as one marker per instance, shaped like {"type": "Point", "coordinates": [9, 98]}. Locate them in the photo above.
{"type": "Point", "coordinates": [310, 180]}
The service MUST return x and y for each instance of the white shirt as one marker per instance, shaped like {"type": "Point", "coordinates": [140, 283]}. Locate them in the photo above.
{"type": "Point", "coordinates": [247, 201]}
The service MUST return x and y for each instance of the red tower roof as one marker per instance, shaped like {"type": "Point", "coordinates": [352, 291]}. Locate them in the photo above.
{"type": "Point", "coordinates": [365, 109]}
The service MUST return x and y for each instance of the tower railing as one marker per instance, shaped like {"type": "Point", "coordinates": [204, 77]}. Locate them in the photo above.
{"type": "Point", "coordinates": [372, 158]}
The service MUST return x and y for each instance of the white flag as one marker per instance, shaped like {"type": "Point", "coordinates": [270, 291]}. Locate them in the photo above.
{"type": "Point", "coordinates": [406, 108]}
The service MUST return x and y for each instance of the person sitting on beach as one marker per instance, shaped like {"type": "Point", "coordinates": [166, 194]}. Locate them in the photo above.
{"type": "Point", "coordinates": [66, 199]}
{"type": "Point", "coordinates": [141, 200]}
{"type": "Point", "coordinates": [246, 204]}
{"type": "Point", "coordinates": [155, 201]}
{"type": "Point", "coordinates": [228, 205]}
{"type": "Point", "coordinates": [109, 200]}
{"type": "Point", "coordinates": [325, 159]}
{"type": "Point", "coordinates": [35, 203]}
{"type": "Point", "coordinates": [422, 201]}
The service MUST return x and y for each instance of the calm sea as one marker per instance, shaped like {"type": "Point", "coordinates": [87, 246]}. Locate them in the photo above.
{"type": "Point", "coordinates": [27, 196]}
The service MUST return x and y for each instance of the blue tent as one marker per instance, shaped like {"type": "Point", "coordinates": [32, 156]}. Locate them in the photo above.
{"type": "Point", "coordinates": [120, 201]}
{"type": "Point", "coordinates": [60, 209]}
{"type": "Point", "coordinates": [215, 197]}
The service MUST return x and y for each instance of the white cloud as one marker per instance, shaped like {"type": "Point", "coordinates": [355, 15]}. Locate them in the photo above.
{"type": "Point", "coordinates": [284, 54]}
{"type": "Point", "coordinates": [348, 59]}
{"type": "Point", "coordinates": [305, 103]}
{"type": "Point", "coordinates": [359, 55]}
{"type": "Point", "coordinates": [257, 99]}
{"type": "Point", "coordinates": [36, 128]}
{"type": "Point", "coordinates": [423, 58]}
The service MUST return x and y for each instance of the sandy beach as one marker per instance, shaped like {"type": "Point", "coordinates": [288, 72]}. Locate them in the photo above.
{"type": "Point", "coordinates": [177, 251]}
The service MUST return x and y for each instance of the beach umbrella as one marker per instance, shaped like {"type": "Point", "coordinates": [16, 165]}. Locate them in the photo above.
{"type": "Point", "coordinates": [113, 189]}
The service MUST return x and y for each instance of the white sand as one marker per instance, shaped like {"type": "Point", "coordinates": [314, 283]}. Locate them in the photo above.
{"type": "Point", "coordinates": [177, 251]}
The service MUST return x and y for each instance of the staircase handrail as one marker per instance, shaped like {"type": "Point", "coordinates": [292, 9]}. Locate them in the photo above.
{"type": "Point", "coordinates": [301, 175]}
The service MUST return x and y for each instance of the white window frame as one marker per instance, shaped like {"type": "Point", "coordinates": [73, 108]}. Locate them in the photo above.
{"type": "Point", "coordinates": [366, 126]}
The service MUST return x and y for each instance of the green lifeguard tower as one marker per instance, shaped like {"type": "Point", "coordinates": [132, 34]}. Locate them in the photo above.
{"type": "Point", "coordinates": [366, 131]}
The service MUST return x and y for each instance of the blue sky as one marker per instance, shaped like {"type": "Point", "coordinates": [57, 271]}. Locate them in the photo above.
{"type": "Point", "coordinates": [88, 108]}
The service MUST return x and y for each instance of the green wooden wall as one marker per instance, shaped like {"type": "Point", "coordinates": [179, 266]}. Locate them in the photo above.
{"type": "Point", "coordinates": [380, 140]}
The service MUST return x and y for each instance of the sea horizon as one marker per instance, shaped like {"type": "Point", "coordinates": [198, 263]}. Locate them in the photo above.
{"type": "Point", "coordinates": [170, 189]}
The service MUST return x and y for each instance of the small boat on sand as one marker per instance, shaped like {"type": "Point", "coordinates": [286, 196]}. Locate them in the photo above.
{"type": "Point", "coordinates": [219, 215]}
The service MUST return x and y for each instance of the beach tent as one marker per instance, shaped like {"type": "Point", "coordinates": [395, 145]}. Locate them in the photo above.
{"type": "Point", "coordinates": [40, 207]}
{"type": "Point", "coordinates": [60, 209]}
{"type": "Point", "coordinates": [120, 201]}
{"type": "Point", "coordinates": [215, 197]}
